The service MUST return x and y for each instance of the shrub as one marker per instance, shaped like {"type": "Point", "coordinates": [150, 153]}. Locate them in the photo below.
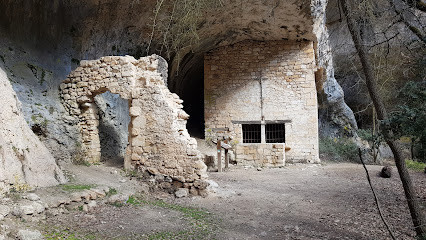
{"type": "Point", "coordinates": [339, 149]}
{"type": "Point", "coordinates": [416, 166]}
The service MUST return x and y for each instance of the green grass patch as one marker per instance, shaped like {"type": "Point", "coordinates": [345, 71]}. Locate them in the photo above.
{"type": "Point", "coordinates": [63, 234]}
{"type": "Point", "coordinates": [71, 187]}
{"type": "Point", "coordinates": [203, 225]}
{"type": "Point", "coordinates": [111, 191]}
{"type": "Point", "coordinates": [416, 166]}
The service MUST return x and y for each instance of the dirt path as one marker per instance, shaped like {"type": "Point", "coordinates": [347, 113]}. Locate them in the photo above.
{"type": "Point", "coordinates": [308, 202]}
{"type": "Point", "coordinates": [296, 202]}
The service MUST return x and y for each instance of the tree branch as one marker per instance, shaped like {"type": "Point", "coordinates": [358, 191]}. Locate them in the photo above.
{"type": "Point", "coordinates": [376, 200]}
{"type": "Point", "coordinates": [410, 194]}
{"type": "Point", "coordinates": [412, 28]}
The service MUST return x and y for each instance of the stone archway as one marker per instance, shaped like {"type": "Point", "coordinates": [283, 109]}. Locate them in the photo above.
{"type": "Point", "coordinates": [158, 140]}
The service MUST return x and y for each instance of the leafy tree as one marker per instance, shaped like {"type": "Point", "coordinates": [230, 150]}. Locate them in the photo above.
{"type": "Point", "coordinates": [410, 119]}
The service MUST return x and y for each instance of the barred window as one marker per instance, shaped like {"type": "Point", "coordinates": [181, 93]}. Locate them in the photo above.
{"type": "Point", "coordinates": [251, 133]}
{"type": "Point", "coordinates": [275, 133]}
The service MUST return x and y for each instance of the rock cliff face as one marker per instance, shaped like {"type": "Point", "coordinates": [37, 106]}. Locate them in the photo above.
{"type": "Point", "coordinates": [43, 41]}
{"type": "Point", "coordinates": [23, 158]}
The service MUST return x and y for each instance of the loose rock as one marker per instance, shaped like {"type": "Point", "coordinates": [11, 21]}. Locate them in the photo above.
{"type": "Point", "coordinates": [29, 235]}
{"type": "Point", "coordinates": [386, 172]}
{"type": "Point", "coordinates": [181, 192]}
{"type": "Point", "coordinates": [32, 197]}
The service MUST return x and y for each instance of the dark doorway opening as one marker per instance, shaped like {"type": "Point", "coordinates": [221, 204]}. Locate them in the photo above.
{"type": "Point", "coordinates": [114, 120]}
{"type": "Point", "coordinates": [192, 94]}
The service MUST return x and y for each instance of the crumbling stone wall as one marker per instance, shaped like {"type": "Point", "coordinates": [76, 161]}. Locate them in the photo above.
{"type": "Point", "coordinates": [281, 73]}
{"type": "Point", "coordinates": [159, 143]}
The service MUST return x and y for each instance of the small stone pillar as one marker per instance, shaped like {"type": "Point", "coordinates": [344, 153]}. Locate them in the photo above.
{"type": "Point", "coordinates": [89, 122]}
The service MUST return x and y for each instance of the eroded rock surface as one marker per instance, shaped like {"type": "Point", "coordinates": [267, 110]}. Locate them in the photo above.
{"type": "Point", "coordinates": [24, 160]}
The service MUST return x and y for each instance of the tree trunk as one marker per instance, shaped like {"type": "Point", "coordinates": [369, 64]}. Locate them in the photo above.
{"type": "Point", "coordinates": [413, 204]}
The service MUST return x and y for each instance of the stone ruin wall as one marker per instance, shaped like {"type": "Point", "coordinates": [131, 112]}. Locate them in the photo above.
{"type": "Point", "coordinates": [232, 93]}
{"type": "Point", "coordinates": [159, 144]}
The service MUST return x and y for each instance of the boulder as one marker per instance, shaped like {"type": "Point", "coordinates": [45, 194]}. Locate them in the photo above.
{"type": "Point", "coordinates": [386, 172]}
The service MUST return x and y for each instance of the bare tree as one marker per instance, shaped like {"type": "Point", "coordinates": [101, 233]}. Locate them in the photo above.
{"type": "Point", "coordinates": [416, 213]}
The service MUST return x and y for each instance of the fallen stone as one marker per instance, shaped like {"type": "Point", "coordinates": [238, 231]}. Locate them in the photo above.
{"type": "Point", "coordinates": [92, 204]}
{"type": "Point", "coordinates": [32, 197]}
{"type": "Point", "coordinates": [181, 192]}
{"type": "Point", "coordinates": [203, 193]}
{"type": "Point", "coordinates": [153, 171]}
{"type": "Point", "coordinates": [213, 186]}
{"type": "Point", "coordinates": [76, 197]}
{"type": "Point", "coordinates": [118, 198]}
{"type": "Point", "coordinates": [85, 208]}
{"type": "Point", "coordinates": [386, 172]}
{"type": "Point", "coordinates": [52, 212]}
{"type": "Point", "coordinates": [4, 211]}
{"type": "Point", "coordinates": [38, 207]}
{"type": "Point", "coordinates": [86, 195]}
{"type": "Point", "coordinates": [93, 194]}
{"type": "Point", "coordinates": [99, 192]}
{"type": "Point", "coordinates": [27, 209]}
{"type": "Point", "coordinates": [193, 191]}
{"type": "Point", "coordinates": [201, 184]}
{"type": "Point", "coordinates": [2, 237]}
{"type": "Point", "coordinates": [29, 235]}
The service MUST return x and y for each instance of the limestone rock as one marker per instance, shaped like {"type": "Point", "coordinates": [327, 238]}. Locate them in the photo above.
{"type": "Point", "coordinates": [38, 207]}
{"type": "Point", "coordinates": [23, 158]}
{"type": "Point", "coordinates": [29, 235]}
{"type": "Point", "coordinates": [201, 184]}
{"type": "Point", "coordinates": [76, 197]}
{"type": "Point", "coordinates": [92, 204]}
{"type": "Point", "coordinates": [27, 209]}
{"type": "Point", "coordinates": [213, 186]}
{"type": "Point", "coordinates": [4, 211]}
{"type": "Point", "coordinates": [181, 192]}
{"type": "Point", "coordinates": [32, 197]}
{"type": "Point", "coordinates": [118, 198]}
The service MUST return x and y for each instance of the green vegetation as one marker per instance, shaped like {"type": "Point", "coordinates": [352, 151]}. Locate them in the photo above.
{"type": "Point", "coordinates": [35, 70]}
{"type": "Point", "coordinates": [416, 166]}
{"type": "Point", "coordinates": [339, 149]}
{"type": "Point", "coordinates": [35, 117]}
{"type": "Point", "coordinates": [410, 118]}
{"type": "Point", "coordinates": [111, 191]}
{"type": "Point", "coordinates": [202, 222]}
{"type": "Point", "coordinates": [72, 187]}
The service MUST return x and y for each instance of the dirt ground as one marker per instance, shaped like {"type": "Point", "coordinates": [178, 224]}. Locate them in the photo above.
{"type": "Point", "coordinates": [331, 201]}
